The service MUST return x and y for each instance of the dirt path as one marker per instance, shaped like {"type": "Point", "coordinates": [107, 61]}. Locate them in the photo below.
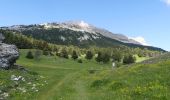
{"type": "Point", "coordinates": [81, 90]}
{"type": "Point", "coordinates": [52, 91]}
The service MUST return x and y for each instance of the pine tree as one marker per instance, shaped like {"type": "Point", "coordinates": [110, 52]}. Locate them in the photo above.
{"type": "Point", "coordinates": [106, 58]}
{"type": "Point", "coordinates": [128, 59]}
{"type": "Point", "coordinates": [99, 57]}
{"type": "Point", "coordinates": [117, 56]}
{"type": "Point", "coordinates": [64, 53]}
{"type": "Point", "coordinates": [45, 52]}
{"type": "Point", "coordinates": [74, 55]}
{"type": "Point", "coordinates": [29, 55]}
{"type": "Point", "coordinates": [89, 55]}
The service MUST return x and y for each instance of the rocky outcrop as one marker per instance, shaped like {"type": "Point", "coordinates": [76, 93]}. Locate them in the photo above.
{"type": "Point", "coordinates": [8, 55]}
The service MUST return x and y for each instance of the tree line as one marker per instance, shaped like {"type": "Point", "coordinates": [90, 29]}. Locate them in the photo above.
{"type": "Point", "coordinates": [122, 54]}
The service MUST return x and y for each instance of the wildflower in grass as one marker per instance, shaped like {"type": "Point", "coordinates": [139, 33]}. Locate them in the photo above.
{"type": "Point", "coordinates": [4, 95]}
{"type": "Point", "coordinates": [22, 89]}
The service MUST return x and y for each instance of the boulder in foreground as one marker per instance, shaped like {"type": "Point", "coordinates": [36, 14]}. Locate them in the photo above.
{"type": "Point", "coordinates": [8, 55]}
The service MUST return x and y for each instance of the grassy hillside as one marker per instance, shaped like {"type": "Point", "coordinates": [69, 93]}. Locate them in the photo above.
{"type": "Point", "coordinates": [65, 79]}
{"type": "Point", "coordinates": [141, 59]}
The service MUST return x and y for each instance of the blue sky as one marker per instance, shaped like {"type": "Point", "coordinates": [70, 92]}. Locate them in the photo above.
{"type": "Point", "coordinates": [148, 19]}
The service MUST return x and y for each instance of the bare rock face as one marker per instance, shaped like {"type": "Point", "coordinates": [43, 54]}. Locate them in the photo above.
{"type": "Point", "coordinates": [8, 54]}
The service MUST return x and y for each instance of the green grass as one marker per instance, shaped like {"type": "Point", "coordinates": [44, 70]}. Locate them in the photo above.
{"type": "Point", "coordinates": [69, 80]}
{"type": "Point", "coordinates": [140, 59]}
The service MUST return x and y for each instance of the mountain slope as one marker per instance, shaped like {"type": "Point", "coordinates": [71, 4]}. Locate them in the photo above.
{"type": "Point", "coordinates": [79, 26]}
{"type": "Point", "coordinates": [83, 26]}
{"type": "Point", "coordinates": [76, 33]}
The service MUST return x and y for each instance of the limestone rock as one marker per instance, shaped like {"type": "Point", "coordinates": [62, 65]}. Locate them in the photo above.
{"type": "Point", "coordinates": [8, 55]}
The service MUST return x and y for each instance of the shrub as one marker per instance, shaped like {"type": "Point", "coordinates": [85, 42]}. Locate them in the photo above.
{"type": "Point", "coordinates": [45, 52]}
{"type": "Point", "coordinates": [51, 54]}
{"type": "Point", "coordinates": [118, 64]}
{"type": "Point", "coordinates": [129, 59]}
{"type": "Point", "coordinates": [37, 54]}
{"type": "Point", "coordinates": [29, 55]}
{"type": "Point", "coordinates": [64, 54]}
{"type": "Point", "coordinates": [116, 85]}
{"type": "Point", "coordinates": [80, 61]}
{"type": "Point", "coordinates": [32, 73]}
{"type": "Point", "coordinates": [58, 54]}
{"type": "Point", "coordinates": [99, 83]}
{"type": "Point", "coordinates": [142, 54]}
{"type": "Point", "coordinates": [92, 71]}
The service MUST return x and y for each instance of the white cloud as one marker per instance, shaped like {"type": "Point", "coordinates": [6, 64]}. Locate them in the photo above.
{"type": "Point", "coordinates": [83, 24]}
{"type": "Point", "coordinates": [140, 40]}
{"type": "Point", "coordinates": [166, 1]}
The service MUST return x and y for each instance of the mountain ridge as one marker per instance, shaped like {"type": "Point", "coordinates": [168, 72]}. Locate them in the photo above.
{"type": "Point", "coordinates": [83, 26]}
{"type": "Point", "coordinates": [79, 26]}
{"type": "Point", "coordinates": [75, 33]}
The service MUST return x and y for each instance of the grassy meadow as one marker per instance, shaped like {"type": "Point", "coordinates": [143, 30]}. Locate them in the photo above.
{"type": "Point", "coordinates": [53, 78]}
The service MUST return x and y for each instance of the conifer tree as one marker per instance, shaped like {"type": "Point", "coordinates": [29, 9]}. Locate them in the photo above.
{"type": "Point", "coordinates": [74, 55]}
{"type": "Point", "coordinates": [29, 55]}
{"type": "Point", "coordinates": [64, 53]}
{"type": "Point", "coordinates": [89, 55]}
{"type": "Point", "coordinates": [99, 57]}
